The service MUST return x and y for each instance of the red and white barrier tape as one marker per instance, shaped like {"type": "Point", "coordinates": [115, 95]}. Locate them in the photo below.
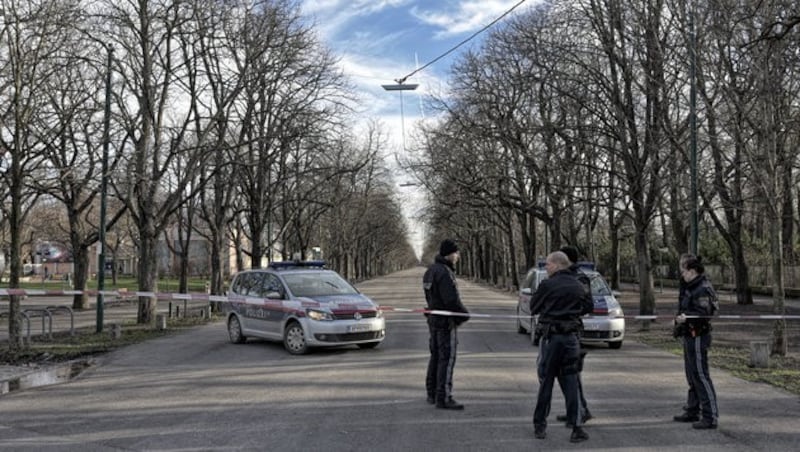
{"type": "Point", "coordinates": [117, 293]}
{"type": "Point", "coordinates": [630, 317]}
{"type": "Point", "coordinates": [294, 305]}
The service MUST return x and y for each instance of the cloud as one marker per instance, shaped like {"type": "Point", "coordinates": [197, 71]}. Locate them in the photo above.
{"type": "Point", "coordinates": [333, 16]}
{"type": "Point", "coordinates": [350, 7]}
{"type": "Point", "coordinates": [466, 16]}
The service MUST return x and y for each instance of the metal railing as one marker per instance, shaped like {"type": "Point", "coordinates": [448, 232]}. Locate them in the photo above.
{"type": "Point", "coordinates": [46, 315]}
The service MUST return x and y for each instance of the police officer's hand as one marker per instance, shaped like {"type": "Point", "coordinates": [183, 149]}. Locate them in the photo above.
{"type": "Point", "coordinates": [680, 318]}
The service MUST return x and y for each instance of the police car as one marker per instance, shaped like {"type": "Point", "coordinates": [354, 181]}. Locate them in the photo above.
{"type": "Point", "coordinates": [302, 304]}
{"type": "Point", "coordinates": [606, 323]}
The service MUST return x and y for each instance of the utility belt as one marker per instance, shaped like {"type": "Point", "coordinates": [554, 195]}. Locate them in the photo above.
{"type": "Point", "coordinates": [549, 328]}
{"type": "Point", "coordinates": [691, 329]}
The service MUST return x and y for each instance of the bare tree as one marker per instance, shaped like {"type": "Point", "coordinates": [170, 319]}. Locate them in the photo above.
{"type": "Point", "coordinates": [724, 101]}
{"type": "Point", "coordinates": [161, 130]}
{"type": "Point", "coordinates": [30, 35]}
{"type": "Point", "coordinates": [775, 82]}
{"type": "Point", "coordinates": [73, 137]}
{"type": "Point", "coordinates": [634, 78]}
{"type": "Point", "coordinates": [361, 229]}
{"type": "Point", "coordinates": [223, 69]}
{"type": "Point", "coordinates": [292, 95]}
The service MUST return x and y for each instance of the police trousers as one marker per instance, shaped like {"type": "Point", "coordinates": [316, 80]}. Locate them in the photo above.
{"type": "Point", "coordinates": [559, 357]}
{"type": "Point", "coordinates": [584, 412]}
{"type": "Point", "coordinates": [701, 398]}
{"type": "Point", "coordinates": [443, 344]}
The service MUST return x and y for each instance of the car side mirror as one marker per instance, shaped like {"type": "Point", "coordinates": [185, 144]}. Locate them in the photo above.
{"type": "Point", "coordinates": [525, 291]}
{"type": "Point", "coordinates": [616, 293]}
{"type": "Point", "coordinates": [274, 295]}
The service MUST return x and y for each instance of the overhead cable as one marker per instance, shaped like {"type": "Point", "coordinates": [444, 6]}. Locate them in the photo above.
{"type": "Point", "coordinates": [403, 79]}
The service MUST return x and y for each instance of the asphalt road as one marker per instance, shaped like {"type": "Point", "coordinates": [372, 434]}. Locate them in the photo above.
{"type": "Point", "coordinates": [197, 391]}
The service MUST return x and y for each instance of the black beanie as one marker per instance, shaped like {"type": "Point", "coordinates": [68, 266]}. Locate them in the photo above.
{"type": "Point", "coordinates": [571, 252]}
{"type": "Point", "coordinates": [447, 247]}
{"type": "Point", "coordinates": [696, 264]}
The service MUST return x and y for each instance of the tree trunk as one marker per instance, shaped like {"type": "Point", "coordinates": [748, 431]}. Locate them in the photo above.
{"type": "Point", "coordinates": [15, 339]}
{"type": "Point", "coordinates": [744, 293]}
{"type": "Point", "coordinates": [217, 245]}
{"type": "Point", "coordinates": [148, 277]}
{"type": "Point", "coordinates": [647, 298]}
{"type": "Point", "coordinates": [512, 254]}
{"type": "Point", "coordinates": [80, 276]}
{"type": "Point", "coordinates": [787, 220]}
{"type": "Point", "coordinates": [614, 276]}
{"type": "Point", "coordinates": [780, 344]}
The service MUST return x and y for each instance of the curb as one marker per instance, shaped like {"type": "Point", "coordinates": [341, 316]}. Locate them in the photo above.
{"type": "Point", "coordinates": [16, 378]}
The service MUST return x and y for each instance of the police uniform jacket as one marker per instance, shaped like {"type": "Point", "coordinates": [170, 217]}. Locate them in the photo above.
{"type": "Point", "coordinates": [561, 299]}
{"type": "Point", "coordinates": [441, 294]}
{"type": "Point", "coordinates": [582, 277]}
{"type": "Point", "coordinates": [698, 299]}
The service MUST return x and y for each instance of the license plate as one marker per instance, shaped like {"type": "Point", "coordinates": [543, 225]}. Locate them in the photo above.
{"type": "Point", "coordinates": [591, 326]}
{"type": "Point", "coordinates": [358, 328]}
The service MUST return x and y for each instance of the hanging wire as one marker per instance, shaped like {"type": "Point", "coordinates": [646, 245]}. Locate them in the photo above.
{"type": "Point", "coordinates": [402, 80]}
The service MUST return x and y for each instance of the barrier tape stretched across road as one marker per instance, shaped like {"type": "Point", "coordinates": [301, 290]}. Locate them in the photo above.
{"type": "Point", "coordinates": [293, 305]}
{"type": "Point", "coordinates": [631, 317]}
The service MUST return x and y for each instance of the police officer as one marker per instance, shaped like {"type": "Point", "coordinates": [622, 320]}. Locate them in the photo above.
{"type": "Point", "coordinates": [441, 294]}
{"type": "Point", "coordinates": [698, 302]}
{"type": "Point", "coordinates": [559, 301]}
{"type": "Point", "coordinates": [572, 255]}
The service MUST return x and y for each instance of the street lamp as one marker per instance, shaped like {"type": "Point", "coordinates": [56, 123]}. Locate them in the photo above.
{"type": "Point", "coordinates": [101, 260]}
{"type": "Point", "coordinates": [401, 86]}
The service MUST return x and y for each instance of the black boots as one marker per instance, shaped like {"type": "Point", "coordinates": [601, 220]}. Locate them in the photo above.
{"type": "Point", "coordinates": [686, 417]}
{"type": "Point", "coordinates": [449, 404]}
{"type": "Point", "coordinates": [578, 435]}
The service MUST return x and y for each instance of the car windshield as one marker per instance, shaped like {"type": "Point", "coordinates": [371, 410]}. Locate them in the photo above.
{"type": "Point", "coordinates": [317, 284]}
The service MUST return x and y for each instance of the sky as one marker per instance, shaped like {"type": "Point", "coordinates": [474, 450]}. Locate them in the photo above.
{"type": "Point", "coordinates": [381, 41]}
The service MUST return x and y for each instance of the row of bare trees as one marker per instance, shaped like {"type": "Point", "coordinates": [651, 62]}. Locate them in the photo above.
{"type": "Point", "coordinates": [227, 120]}
{"type": "Point", "coordinates": [574, 123]}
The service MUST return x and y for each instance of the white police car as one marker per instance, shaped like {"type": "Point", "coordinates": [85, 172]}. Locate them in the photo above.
{"type": "Point", "coordinates": [606, 323]}
{"type": "Point", "coordinates": [304, 305]}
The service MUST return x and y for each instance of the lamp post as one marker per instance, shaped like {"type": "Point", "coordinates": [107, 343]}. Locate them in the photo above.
{"type": "Point", "coordinates": [101, 260]}
{"type": "Point", "coordinates": [693, 129]}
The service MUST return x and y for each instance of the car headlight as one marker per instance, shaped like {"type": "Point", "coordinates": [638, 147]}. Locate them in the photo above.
{"type": "Point", "coordinates": [615, 312]}
{"type": "Point", "coordinates": [378, 313]}
{"type": "Point", "coordinates": [314, 314]}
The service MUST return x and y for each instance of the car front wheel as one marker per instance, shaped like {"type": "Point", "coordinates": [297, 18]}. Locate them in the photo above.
{"type": "Point", "coordinates": [294, 339]}
{"type": "Point", "coordinates": [235, 330]}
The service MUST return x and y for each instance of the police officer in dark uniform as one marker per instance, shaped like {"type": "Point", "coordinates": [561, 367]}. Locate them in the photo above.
{"type": "Point", "coordinates": [572, 255]}
{"type": "Point", "coordinates": [559, 301]}
{"type": "Point", "coordinates": [697, 304]}
{"type": "Point", "coordinates": [441, 294]}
